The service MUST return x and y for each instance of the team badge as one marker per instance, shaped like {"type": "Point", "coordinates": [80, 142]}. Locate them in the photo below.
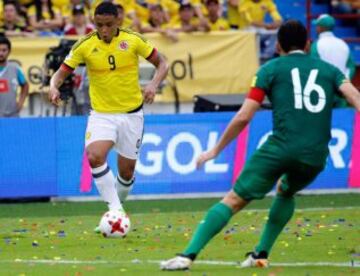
{"type": "Point", "coordinates": [124, 45]}
{"type": "Point", "coordinates": [87, 135]}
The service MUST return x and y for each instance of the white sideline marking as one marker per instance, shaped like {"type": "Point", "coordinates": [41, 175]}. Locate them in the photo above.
{"type": "Point", "coordinates": [266, 210]}
{"type": "Point", "coordinates": [202, 195]}
{"type": "Point", "coordinates": [206, 262]}
{"type": "Point", "coordinates": [311, 209]}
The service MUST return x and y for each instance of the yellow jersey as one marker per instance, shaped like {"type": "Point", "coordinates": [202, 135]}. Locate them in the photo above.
{"type": "Point", "coordinates": [256, 12]}
{"type": "Point", "coordinates": [113, 69]}
{"type": "Point", "coordinates": [220, 25]}
{"type": "Point", "coordinates": [60, 3]}
{"type": "Point", "coordinates": [233, 16]}
{"type": "Point", "coordinates": [46, 15]}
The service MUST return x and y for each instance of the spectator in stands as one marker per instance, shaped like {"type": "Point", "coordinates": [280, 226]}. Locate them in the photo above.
{"type": "Point", "coordinates": [131, 19]}
{"type": "Point", "coordinates": [125, 21]}
{"type": "Point", "coordinates": [157, 23]}
{"type": "Point", "coordinates": [254, 12]}
{"type": "Point", "coordinates": [79, 25]}
{"type": "Point", "coordinates": [198, 11]}
{"type": "Point", "coordinates": [233, 16]}
{"type": "Point", "coordinates": [188, 22]}
{"type": "Point", "coordinates": [347, 7]}
{"type": "Point", "coordinates": [171, 10]}
{"type": "Point", "coordinates": [11, 77]}
{"type": "Point", "coordinates": [13, 24]}
{"type": "Point", "coordinates": [44, 17]}
{"type": "Point", "coordinates": [332, 49]}
{"type": "Point", "coordinates": [66, 10]}
{"type": "Point", "coordinates": [215, 21]}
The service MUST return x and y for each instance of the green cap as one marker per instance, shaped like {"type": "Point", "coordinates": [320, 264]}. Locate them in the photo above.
{"type": "Point", "coordinates": [326, 21]}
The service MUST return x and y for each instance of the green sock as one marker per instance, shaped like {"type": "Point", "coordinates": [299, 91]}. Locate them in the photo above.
{"type": "Point", "coordinates": [280, 213]}
{"type": "Point", "coordinates": [215, 220]}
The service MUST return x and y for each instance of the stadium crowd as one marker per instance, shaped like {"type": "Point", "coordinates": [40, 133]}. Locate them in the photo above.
{"type": "Point", "coordinates": [75, 17]}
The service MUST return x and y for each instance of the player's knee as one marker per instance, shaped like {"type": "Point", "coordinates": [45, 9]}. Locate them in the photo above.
{"type": "Point", "coordinates": [235, 202]}
{"type": "Point", "coordinates": [95, 158]}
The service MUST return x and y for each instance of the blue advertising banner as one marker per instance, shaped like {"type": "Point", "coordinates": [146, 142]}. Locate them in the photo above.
{"type": "Point", "coordinates": [166, 165]}
{"type": "Point", "coordinates": [28, 158]}
{"type": "Point", "coordinates": [336, 172]}
{"type": "Point", "coordinates": [170, 147]}
{"type": "Point", "coordinates": [45, 157]}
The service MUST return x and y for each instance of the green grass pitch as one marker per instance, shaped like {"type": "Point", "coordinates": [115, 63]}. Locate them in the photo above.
{"type": "Point", "coordinates": [323, 238]}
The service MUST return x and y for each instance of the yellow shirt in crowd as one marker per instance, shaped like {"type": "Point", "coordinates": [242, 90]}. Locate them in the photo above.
{"type": "Point", "coordinates": [113, 69]}
{"type": "Point", "coordinates": [46, 15]}
{"type": "Point", "coordinates": [220, 25]}
{"type": "Point", "coordinates": [256, 12]}
{"type": "Point", "coordinates": [143, 13]}
{"type": "Point", "coordinates": [234, 17]}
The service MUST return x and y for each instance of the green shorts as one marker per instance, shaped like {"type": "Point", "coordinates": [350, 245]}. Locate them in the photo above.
{"type": "Point", "coordinates": [269, 164]}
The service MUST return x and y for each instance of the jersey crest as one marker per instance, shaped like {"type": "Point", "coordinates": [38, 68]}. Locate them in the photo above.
{"type": "Point", "coordinates": [124, 45]}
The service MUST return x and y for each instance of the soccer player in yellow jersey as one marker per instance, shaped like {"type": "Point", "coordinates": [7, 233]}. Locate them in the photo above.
{"type": "Point", "coordinates": [111, 56]}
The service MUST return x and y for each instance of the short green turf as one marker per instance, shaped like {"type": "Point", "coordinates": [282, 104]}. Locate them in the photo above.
{"type": "Point", "coordinates": [62, 232]}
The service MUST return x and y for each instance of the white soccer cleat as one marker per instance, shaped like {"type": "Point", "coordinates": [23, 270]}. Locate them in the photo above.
{"type": "Point", "coordinates": [177, 263]}
{"type": "Point", "coordinates": [253, 261]}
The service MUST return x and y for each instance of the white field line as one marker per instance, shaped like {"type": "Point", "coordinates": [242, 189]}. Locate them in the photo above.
{"type": "Point", "coordinates": [266, 210]}
{"type": "Point", "coordinates": [201, 195]}
{"type": "Point", "coordinates": [311, 209]}
{"type": "Point", "coordinates": [204, 262]}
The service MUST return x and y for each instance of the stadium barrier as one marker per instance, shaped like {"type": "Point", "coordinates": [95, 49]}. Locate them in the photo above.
{"type": "Point", "coordinates": [199, 62]}
{"type": "Point", "coordinates": [45, 157]}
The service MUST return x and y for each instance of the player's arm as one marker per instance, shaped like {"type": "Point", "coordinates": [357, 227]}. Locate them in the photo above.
{"type": "Point", "coordinates": [162, 69]}
{"type": "Point", "coordinates": [351, 94]}
{"type": "Point", "coordinates": [24, 91]}
{"type": "Point", "coordinates": [56, 81]}
{"type": "Point", "coordinates": [237, 124]}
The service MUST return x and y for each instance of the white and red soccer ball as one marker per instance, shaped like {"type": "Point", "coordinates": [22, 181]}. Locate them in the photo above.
{"type": "Point", "coordinates": [115, 224]}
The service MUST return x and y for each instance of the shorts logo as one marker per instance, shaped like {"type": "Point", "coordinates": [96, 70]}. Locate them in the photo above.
{"type": "Point", "coordinates": [124, 45]}
{"type": "Point", "coordinates": [138, 143]}
{"type": "Point", "coordinates": [87, 135]}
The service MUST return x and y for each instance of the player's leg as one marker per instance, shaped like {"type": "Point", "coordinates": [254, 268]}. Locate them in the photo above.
{"type": "Point", "coordinates": [214, 221]}
{"type": "Point", "coordinates": [130, 133]}
{"type": "Point", "coordinates": [256, 180]}
{"type": "Point", "coordinates": [282, 209]}
{"type": "Point", "coordinates": [125, 178]}
{"type": "Point", "coordinates": [100, 137]}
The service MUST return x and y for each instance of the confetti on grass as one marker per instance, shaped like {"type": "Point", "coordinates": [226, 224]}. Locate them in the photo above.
{"type": "Point", "coordinates": [61, 234]}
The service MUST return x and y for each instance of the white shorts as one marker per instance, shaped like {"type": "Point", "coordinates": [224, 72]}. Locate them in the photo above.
{"type": "Point", "coordinates": [124, 129]}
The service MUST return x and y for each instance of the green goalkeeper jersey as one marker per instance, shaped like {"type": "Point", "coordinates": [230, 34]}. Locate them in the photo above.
{"type": "Point", "coordinates": [301, 90]}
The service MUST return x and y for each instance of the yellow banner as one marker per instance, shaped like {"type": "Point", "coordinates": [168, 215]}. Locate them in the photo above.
{"type": "Point", "coordinates": [203, 63]}
{"type": "Point", "coordinates": [200, 63]}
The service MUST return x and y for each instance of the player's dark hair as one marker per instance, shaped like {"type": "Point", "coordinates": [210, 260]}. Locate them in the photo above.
{"type": "Point", "coordinates": [106, 8]}
{"type": "Point", "coordinates": [6, 41]}
{"type": "Point", "coordinates": [292, 35]}
{"type": "Point", "coordinates": [119, 7]}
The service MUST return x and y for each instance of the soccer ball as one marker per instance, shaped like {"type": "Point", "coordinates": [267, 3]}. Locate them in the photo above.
{"type": "Point", "coordinates": [114, 224]}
